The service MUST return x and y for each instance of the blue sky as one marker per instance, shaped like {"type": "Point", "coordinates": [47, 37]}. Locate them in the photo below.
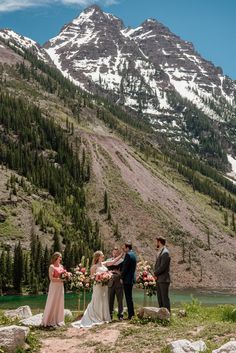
{"type": "Point", "coordinates": [209, 24]}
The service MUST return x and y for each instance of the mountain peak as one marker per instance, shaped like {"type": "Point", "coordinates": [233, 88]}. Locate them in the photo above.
{"type": "Point", "coordinates": [153, 24]}
{"type": "Point", "coordinates": [94, 13]}
{"type": "Point", "coordinates": [87, 14]}
{"type": "Point", "coordinates": [93, 7]}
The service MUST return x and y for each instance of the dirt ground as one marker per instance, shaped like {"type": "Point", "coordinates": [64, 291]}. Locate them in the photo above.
{"type": "Point", "coordinates": [81, 340]}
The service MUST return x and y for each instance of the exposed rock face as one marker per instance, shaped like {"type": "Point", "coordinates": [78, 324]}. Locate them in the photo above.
{"type": "Point", "coordinates": [229, 347]}
{"type": "Point", "coordinates": [148, 69]}
{"type": "Point", "coordinates": [22, 43]}
{"type": "Point", "coordinates": [154, 313]}
{"type": "Point", "coordinates": [3, 216]}
{"type": "Point", "coordinates": [12, 337]}
{"type": "Point", "coordinates": [138, 65]}
{"type": "Point", "coordinates": [23, 312]}
{"type": "Point", "coordinates": [183, 346]}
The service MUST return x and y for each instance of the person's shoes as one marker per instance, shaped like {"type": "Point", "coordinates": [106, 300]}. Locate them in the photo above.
{"type": "Point", "coordinates": [120, 317]}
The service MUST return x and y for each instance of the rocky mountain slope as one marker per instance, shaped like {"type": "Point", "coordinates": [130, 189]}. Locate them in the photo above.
{"type": "Point", "coordinates": [149, 192]}
{"type": "Point", "coordinates": [153, 74]}
{"type": "Point", "coordinates": [150, 70]}
{"type": "Point", "coordinates": [148, 59]}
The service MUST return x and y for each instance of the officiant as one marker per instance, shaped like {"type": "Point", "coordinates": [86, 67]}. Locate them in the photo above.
{"type": "Point", "coordinates": [115, 286]}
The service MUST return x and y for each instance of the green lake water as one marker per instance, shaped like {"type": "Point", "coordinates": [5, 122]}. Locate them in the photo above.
{"type": "Point", "coordinates": [178, 297]}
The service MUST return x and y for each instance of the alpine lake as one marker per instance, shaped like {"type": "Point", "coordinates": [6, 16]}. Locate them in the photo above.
{"type": "Point", "coordinates": [73, 301]}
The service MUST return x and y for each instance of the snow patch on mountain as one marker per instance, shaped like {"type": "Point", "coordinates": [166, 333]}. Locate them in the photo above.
{"type": "Point", "coordinates": [20, 42]}
{"type": "Point", "coordinates": [232, 161]}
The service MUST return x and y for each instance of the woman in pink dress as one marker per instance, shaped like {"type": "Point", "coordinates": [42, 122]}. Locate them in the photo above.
{"type": "Point", "coordinates": [54, 310]}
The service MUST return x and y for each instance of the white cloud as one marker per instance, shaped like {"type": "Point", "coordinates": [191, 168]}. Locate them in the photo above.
{"type": "Point", "coordinates": [13, 5]}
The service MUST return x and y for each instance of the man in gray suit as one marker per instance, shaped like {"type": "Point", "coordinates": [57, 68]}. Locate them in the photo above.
{"type": "Point", "coordinates": [162, 272]}
{"type": "Point", "coordinates": [115, 286]}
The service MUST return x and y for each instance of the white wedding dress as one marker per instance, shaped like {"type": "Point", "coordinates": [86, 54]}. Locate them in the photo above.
{"type": "Point", "coordinates": [97, 312]}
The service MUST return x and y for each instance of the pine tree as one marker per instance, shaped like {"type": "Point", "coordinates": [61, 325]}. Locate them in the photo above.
{"type": "Point", "coordinates": [233, 222]}
{"type": "Point", "coordinates": [67, 256]}
{"type": "Point", "coordinates": [226, 218]}
{"type": "Point", "coordinates": [109, 213]}
{"type": "Point", "coordinates": [208, 239]}
{"type": "Point", "coordinates": [34, 284]}
{"type": "Point", "coordinates": [117, 234]}
{"type": "Point", "coordinates": [38, 259]}
{"type": "Point", "coordinates": [18, 268]}
{"type": "Point", "coordinates": [105, 202]}
{"type": "Point", "coordinates": [183, 251]}
{"type": "Point", "coordinates": [56, 241]}
{"type": "Point", "coordinates": [9, 268]}
{"type": "Point", "coordinates": [46, 262]}
{"type": "Point", "coordinates": [3, 267]}
{"type": "Point", "coordinates": [26, 278]}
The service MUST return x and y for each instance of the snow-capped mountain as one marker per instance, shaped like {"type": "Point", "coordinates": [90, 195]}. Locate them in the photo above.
{"type": "Point", "coordinates": [139, 66]}
{"type": "Point", "coordinates": [93, 51]}
{"type": "Point", "coordinates": [151, 72]}
{"type": "Point", "coordinates": [22, 43]}
{"type": "Point", "coordinates": [192, 76]}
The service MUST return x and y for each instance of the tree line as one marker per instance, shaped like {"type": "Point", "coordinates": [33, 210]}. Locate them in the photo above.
{"type": "Point", "coordinates": [38, 149]}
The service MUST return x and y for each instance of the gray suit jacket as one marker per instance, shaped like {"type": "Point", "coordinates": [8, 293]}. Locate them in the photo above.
{"type": "Point", "coordinates": [162, 266]}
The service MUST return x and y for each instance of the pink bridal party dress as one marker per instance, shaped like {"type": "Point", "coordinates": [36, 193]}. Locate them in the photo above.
{"type": "Point", "coordinates": [54, 310]}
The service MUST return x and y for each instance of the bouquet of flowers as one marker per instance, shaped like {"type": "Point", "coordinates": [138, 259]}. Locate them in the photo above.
{"type": "Point", "coordinates": [145, 279]}
{"type": "Point", "coordinates": [102, 278]}
{"type": "Point", "coordinates": [65, 276]}
{"type": "Point", "coordinates": [80, 279]}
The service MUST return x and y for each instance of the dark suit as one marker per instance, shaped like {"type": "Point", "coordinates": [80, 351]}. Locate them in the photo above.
{"type": "Point", "coordinates": [162, 271]}
{"type": "Point", "coordinates": [128, 277]}
{"type": "Point", "coordinates": [115, 287]}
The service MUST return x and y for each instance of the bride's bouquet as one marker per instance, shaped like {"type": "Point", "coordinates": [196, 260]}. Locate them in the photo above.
{"type": "Point", "coordinates": [145, 279]}
{"type": "Point", "coordinates": [80, 279]}
{"type": "Point", "coordinates": [102, 278]}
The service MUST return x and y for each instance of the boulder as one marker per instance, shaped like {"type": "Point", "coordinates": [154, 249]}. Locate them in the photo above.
{"type": "Point", "coordinates": [68, 313]}
{"type": "Point", "coordinates": [34, 320]}
{"type": "Point", "coordinates": [153, 313]}
{"type": "Point", "coordinates": [3, 216]}
{"type": "Point", "coordinates": [183, 346]}
{"type": "Point", "coordinates": [182, 313]}
{"type": "Point", "coordinates": [37, 319]}
{"type": "Point", "coordinates": [229, 347]}
{"type": "Point", "coordinates": [12, 337]}
{"type": "Point", "coordinates": [23, 312]}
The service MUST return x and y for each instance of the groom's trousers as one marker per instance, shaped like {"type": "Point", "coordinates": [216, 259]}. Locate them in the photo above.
{"type": "Point", "coordinates": [129, 299]}
{"type": "Point", "coordinates": [163, 295]}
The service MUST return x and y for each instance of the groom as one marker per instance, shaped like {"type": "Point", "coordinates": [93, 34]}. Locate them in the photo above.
{"type": "Point", "coordinates": [128, 276]}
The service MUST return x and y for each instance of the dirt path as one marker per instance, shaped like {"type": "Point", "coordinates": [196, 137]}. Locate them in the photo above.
{"type": "Point", "coordinates": [83, 340]}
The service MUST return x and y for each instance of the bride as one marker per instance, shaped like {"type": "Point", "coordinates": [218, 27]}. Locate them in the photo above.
{"type": "Point", "coordinates": [97, 311]}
